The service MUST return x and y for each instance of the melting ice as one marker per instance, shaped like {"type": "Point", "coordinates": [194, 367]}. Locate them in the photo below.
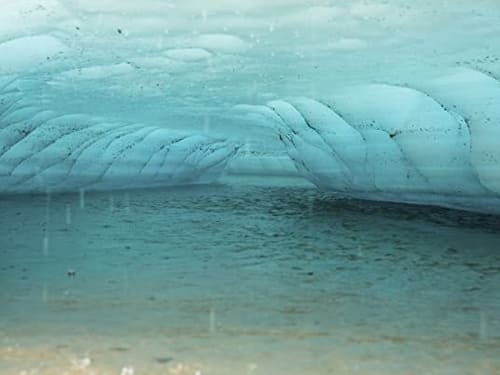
{"type": "Point", "coordinates": [381, 101]}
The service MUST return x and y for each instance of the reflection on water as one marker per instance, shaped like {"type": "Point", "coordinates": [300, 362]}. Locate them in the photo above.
{"type": "Point", "coordinates": [245, 280]}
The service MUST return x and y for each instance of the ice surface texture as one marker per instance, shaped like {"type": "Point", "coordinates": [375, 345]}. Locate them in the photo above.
{"type": "Point", "coordinates": [42, 150]}
{"type": "Point", "coordinates": [439, 144]}
{"type": "Point", "coordinates": [399, 100]}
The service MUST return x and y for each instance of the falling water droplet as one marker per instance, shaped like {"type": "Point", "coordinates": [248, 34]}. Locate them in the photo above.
{"type": "Point", "coordinates": [82, 198]}
{"type": "Point", "coordinates": [111, 202]}
{"type": "Point", "coordinates": [68, 214]}
{"type": "Point", "coordinates": [46, 245]}
{"type": "Point", "coordinates": [126, 202]}
{"type": "Point", "coordinates": [211, 320]}
{"type": "Point", "coordinates": [483, 326]}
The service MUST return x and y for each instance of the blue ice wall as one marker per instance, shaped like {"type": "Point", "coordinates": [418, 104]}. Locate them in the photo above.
{"type": "Point", "coordinates": [386, 101]}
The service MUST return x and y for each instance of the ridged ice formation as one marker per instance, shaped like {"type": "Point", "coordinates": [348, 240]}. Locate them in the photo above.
{"type": "Point", "coordinates": [439, 144]}
{"type": "Point", "coordinates": [41, 150]}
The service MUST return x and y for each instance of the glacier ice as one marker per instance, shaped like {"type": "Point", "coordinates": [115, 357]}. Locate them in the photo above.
{"type": "Point", "coordinates": [388, 142]}
{"type": "Point", "coordinates": [41, 150]}
{"type": "Point", "coordinates": [375, 100]}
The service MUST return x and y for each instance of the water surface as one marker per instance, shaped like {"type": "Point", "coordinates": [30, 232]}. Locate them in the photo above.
{"type": "Point", "coordinates": [250, 280]}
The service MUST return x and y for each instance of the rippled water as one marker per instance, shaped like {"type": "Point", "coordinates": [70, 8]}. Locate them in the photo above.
{"type": "Point", "coordinates": [245, 280]}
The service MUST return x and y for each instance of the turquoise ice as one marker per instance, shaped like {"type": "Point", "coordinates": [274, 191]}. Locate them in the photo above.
{"type": "Point", "coordinates": [374, 100]}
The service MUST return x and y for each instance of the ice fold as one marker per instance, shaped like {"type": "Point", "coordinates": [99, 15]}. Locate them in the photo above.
{"type": "Point", "coordinates": [42, 150]}
{"type": "Point", "coordinates": [438, 144]}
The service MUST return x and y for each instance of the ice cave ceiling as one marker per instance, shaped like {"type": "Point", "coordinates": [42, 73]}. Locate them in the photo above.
{"type": "Point", "coordinates": [391, 100]}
